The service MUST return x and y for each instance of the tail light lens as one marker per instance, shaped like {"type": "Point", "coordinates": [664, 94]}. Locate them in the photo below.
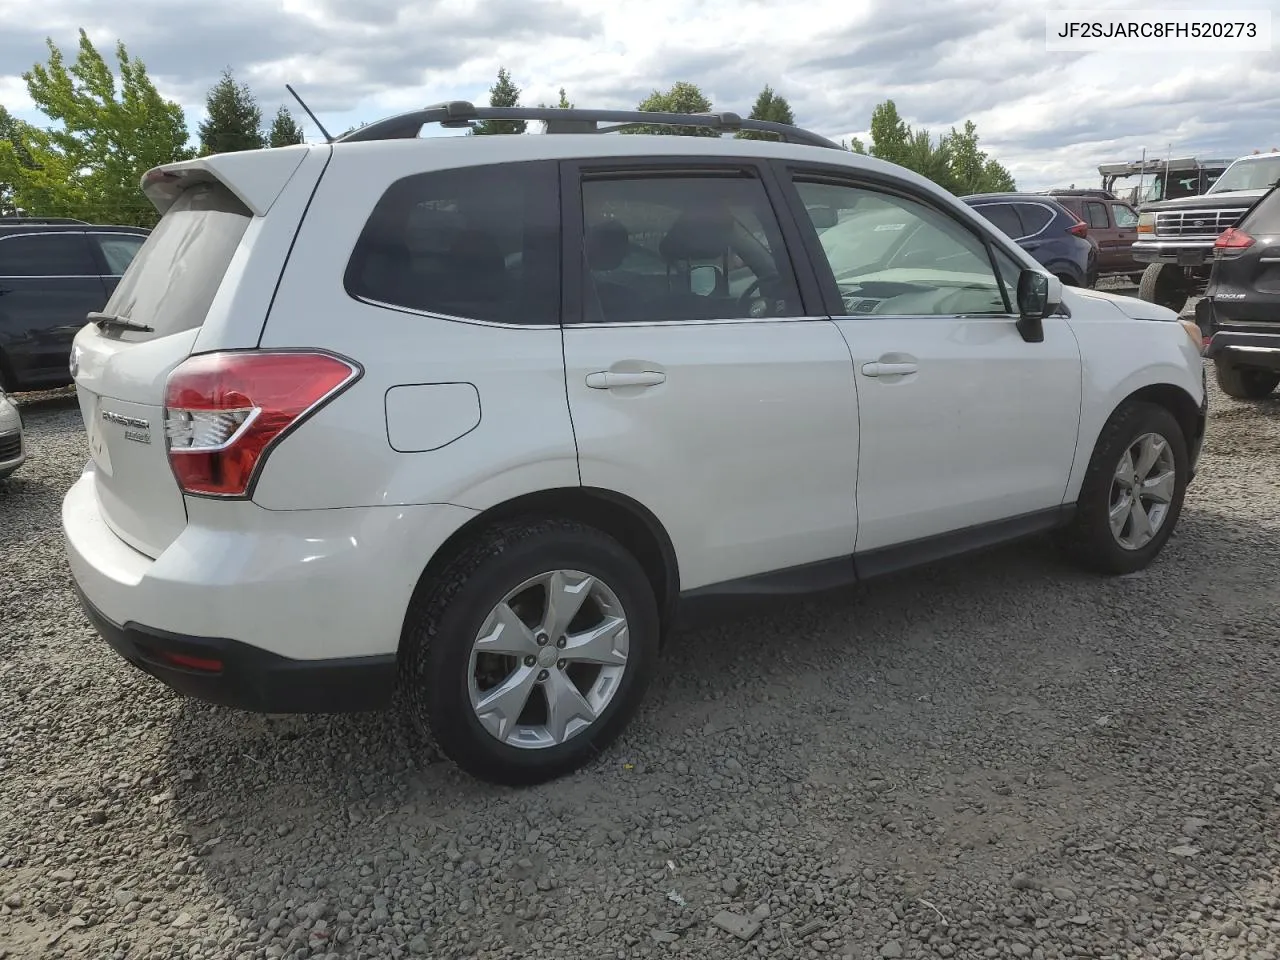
{"type": "Point", "coordinates": [1079, 229]}
{"type": "Point", "coordinates": [1233, 239]}
{"type": "Point", "coordinates": [225, 412]}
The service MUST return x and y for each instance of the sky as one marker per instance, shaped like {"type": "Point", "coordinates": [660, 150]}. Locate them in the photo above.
{"type": "Point", "coordinates": [1050, 117]}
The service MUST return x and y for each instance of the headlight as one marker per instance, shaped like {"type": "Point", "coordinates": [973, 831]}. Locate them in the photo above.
{"type": "Point", "coordinates": [1146, 223]}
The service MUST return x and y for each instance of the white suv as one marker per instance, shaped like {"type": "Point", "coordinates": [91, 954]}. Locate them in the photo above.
{"type": "Point", "coordinates": [473, 418]}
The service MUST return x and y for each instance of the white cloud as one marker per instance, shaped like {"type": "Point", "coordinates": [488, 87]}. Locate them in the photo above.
{"type": "Point", "coordinates": [1050, 117]}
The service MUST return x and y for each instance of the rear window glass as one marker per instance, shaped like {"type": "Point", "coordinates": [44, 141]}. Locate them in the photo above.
{"type": "Point", "coordinates": [172, 280]}
{"type": "Point", "coordinates": [476, 243]}
{"type": "Point", "coordinates": [1003, 216]}
{"type": "Point", "coordinates": [1034, 218]}
{"type": "Point", "coordinates": [46, 255]}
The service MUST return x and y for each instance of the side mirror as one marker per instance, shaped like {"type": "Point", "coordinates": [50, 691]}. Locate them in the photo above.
{"type": "Point", "coordinates": [823, 217]}
{"type": "Point", "coordinates": [1039, 295]}
{"type": "Point", "coordinates": [705, 280]}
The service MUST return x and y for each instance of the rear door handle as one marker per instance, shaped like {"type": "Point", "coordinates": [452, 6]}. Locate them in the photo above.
{"type": "Point", "coordinates": [608, 379]}
{"type": "Point", "coordinates": [879, 369]}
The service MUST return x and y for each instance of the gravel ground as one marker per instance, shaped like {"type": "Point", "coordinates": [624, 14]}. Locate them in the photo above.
{"type": "Point", "coordinates": [995, 758]}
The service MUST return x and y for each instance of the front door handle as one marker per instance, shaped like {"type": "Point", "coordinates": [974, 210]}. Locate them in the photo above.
{"type": "Point", "coordinates": [608, 379]}
{"type": "Point", "coordinates": [879, 369]}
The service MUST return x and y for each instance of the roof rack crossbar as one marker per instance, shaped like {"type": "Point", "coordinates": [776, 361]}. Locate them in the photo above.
{"type": "Point", "coordinates": [460, 113]}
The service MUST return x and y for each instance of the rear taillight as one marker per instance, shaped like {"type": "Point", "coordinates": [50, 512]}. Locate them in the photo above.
{"type": "Point", "coordinates": [1233, 239]}
{"type": "Point", "coordinates": [224, 412]}
{"type": "Point", "coordinates": [1079, 229]}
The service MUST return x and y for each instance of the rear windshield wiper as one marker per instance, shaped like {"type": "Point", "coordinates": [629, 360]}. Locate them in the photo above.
{"type": "Point", "coordinates": [104, 320]}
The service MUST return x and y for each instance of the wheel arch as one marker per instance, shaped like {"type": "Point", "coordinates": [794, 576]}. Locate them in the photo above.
{"type": "Point", "coordinates": [621, 517]}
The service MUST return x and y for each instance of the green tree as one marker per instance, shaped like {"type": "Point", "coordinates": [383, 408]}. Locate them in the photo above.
{"type": "Point", "coordinates": [504, 93]}
{"type": "Point", "coordinates": [564, 103]}
{"type": "Point", "coordinates": [972, 171]}
{"type": "Point", "coordinates": [681, 98]}
{"type": "Point", "coordinates": [108, 134]}
{"type": "Point", "coordinates": [853, 145]}
{"type": "Point", "coordinates": [889, 133]}
{"type": "Point", "coordinates": [768, 106]}
{"type": "Point", "coordinates": [285, 131]}
{"type": "Point", "coordinates": [14, 152]}
{"type": "Point", "coordinates": [928, 158]}
{"type": "Point", "coordinates": [234, 119]}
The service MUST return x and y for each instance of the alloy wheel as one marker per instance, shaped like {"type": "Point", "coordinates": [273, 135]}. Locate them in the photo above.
{"type": "Point", "coordinates": [1142, 491]}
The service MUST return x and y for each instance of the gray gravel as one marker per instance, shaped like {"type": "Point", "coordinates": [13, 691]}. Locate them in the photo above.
{"type": "Point", "coordinates": [1000, 757]}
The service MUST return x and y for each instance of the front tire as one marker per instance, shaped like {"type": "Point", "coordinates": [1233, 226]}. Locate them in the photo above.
{"type": "Point", "coordinates": [1132, 493]}
{"type": "Point", "coordinates": [530, 651]}
{"type": "Point", "coordinates": [1164, 284]}
{"type": "Point", "coordinates": [1244, 383]}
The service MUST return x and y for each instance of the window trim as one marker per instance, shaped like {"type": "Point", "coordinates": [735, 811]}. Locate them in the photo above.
{"type": "Point", "coordinates": [548, 167]}
{"type": "Point", "coordinates": [93, 257]}
{"type": "Point", "coordinates": [573, 173]}
{"type": "Point", "coordinates": [788, 171]}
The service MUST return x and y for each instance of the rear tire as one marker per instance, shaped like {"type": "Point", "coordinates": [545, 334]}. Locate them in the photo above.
{"type": "Point", "coordinates": [1244, 383]}
{"type": "Point", "coordinates": [1107, 536]}
{"type": "Point", "coordinates": [455, 656]}
{"type": "Point", "coordinates": [1164, 284]}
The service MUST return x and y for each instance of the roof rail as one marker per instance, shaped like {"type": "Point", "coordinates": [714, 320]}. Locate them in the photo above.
{"type": "Point", "coordinates": [460, 113]}
{"type": "Point", "coordinates": [20, 221]}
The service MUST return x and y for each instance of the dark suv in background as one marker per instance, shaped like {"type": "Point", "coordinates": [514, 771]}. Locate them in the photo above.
{"type": "Point", "coordinates": [52, 273]}
{"type": "Point", "coordinates": [1045, 229]}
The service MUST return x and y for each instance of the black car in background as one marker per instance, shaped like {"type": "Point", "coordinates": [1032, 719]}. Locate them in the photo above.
{"type": "Point", "coordinates": [1045, 229]}
{"type": "Point", "coordinates": [1240, 311]}
{"type": "Point", "coordinates": [53, 272]}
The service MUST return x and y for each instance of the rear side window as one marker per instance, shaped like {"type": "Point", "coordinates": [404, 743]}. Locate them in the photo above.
{"type": "Point", "coordinates": [475, 243]}
{"type": "Point", "coordinates": [1004, 217]}
{"type": "Point", "coordinates": [1034, 218]}
{"type": "Point", "coordinates": [1265, 215]}
{"type": "Point", "coordinates": [1096, 215]}
{"type": "Point", "coordinates": [46, 255]}
{"type": "Point", "coordinates": [171, 282]}
{"type": "Point", "coordinates": [118, 250]}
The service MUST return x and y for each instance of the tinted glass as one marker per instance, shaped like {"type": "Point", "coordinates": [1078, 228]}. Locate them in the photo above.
{"type": "Point", "coordinates": [662, 248]}
{"type": "Point", "coordinates": [894, 256]}
{"type": "Point", "coordinates": [1034, 218]}
{"type": "Point", "coordinates": [479, 243]}
{"type": "Point", "coordinates": [1125, 217]}
{"type": "Point", "coordinates": [118, 249]}
{"type": "Point", "coordinates": [1096, 215]}
{"type": "Point", "coordinates": [1265, 216]}
{"type": "Point", "coordinates": [1003, 216]}
{"type": "Point", "coordinates": [46, 255]}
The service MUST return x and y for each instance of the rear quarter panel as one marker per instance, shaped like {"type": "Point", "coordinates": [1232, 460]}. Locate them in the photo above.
{"type": "Point", "coordinates": [1120, 356]}
{"type": "Point", "coordinates": [343, 456]}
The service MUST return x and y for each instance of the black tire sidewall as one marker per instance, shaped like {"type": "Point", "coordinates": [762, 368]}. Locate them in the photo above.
{"type": "Point", "coordinates": [451, 718]}
{"type": "Point", "coordinates": [1094, 534]}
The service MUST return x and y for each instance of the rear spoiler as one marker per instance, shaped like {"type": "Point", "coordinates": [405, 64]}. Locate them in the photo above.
{"type": "Point", "coordinates": [256, 177]}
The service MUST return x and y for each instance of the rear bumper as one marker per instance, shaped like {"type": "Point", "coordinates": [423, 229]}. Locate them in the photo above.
{"type": "Point", "coordinates": [1260, 350]}
{"type": "Point", "coordinates": [238, 675]}
{"type": "Point", "coordinates": [302, 610]}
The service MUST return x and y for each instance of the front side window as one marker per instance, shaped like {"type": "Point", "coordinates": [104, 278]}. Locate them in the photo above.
{"type": "Point", "coordinates": [1125, 217]}
{"type": "Point", "coordinates": [688, 247]}
{"type": "Point", "coordinates": [46, 255]}
{"type": "Point", "coordinates": [892, 255]}
{"type": "Point", "coordinates": [476, 243]}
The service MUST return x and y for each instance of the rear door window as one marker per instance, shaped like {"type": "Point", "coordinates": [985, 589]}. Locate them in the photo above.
{"type": "Point", "coordinates": [473, 243]}
{"type": "Point", "coordinates": [171, 282]}
{"type": "Point", "coordinates": [50, 255]}
{"type": "Point", "coordinates": [1004, 217]}
{"type": "Point", "coordinates": [1096, 215]}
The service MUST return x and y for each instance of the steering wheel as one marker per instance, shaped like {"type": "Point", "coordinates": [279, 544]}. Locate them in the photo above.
{"type": "Point", "coordinates": [748, 295]}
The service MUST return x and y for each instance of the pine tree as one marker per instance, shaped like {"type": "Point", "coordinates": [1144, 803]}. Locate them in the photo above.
{"type": "Point", "coordinates": [504, 93]}
{"type": "Point", "coordinates": [285, 131]}
{"type": "Point", "coordinates": [769, 106]}
{"type": "Point", "coordinates": [234, 120]}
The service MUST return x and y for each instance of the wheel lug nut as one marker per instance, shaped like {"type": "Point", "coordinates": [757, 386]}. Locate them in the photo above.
{"type": "Point", "coordinates": [542, 674]}
{"type": "Point", "coordinates": [541, 639]}
{"type": "Point", "coordinates": [562, 642]}
{"type": "Point", "coordinates": [530, 661]}
{"type": "Point", "coordinates": [562, 664]}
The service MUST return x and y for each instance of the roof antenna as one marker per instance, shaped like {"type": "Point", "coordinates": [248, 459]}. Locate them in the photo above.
{"type": "Point", "coordinates": [323, 131]}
